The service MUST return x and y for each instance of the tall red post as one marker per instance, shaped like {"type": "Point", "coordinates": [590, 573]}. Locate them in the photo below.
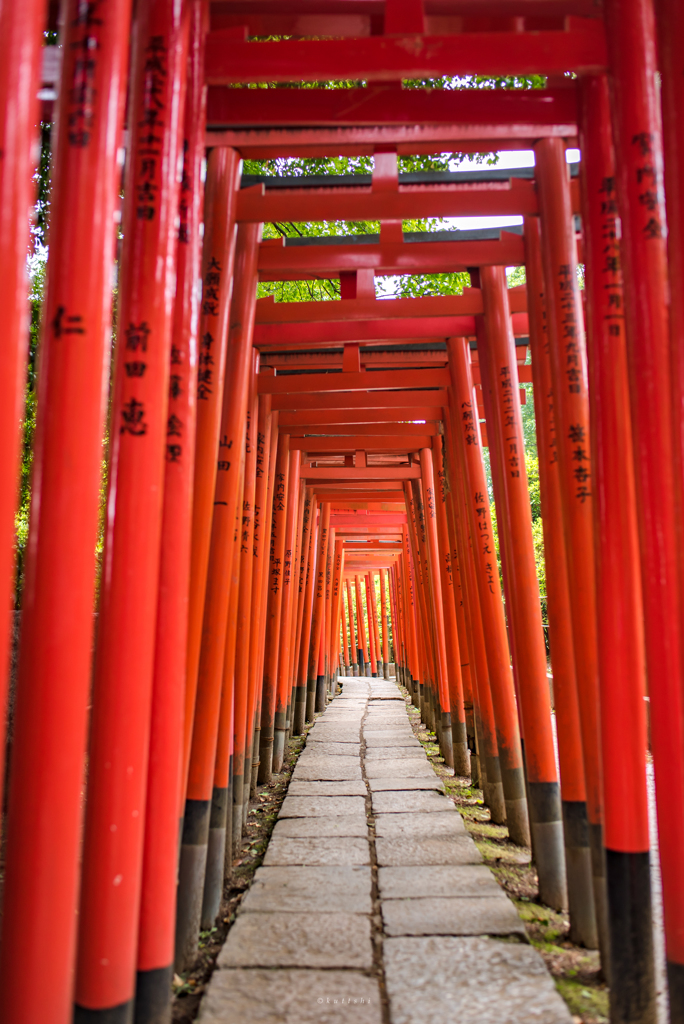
{"type": "Point", "coordinates": [619, 604]}
{"type": "Point", "coordinates": [383, 620]}
{"type": "Point", "coordinates": [498, 358]}
{"type": "Point", "coordinates": [467, 433]}
{"type": "Point", "coordinates": [124, 670]}
{"type": "Point", "coordinates": [21, 51]}
{"type": "Point", "coordinates": [371, 632]}
{"type": "Point", "coordinates": [54, 676]}
{"type": "Point", "coordinates": [289, 590]}
{"type": "Point", "coordinates": [308, 581]}
{"type": "Point", "coordinates": [353, 645]}
{"type": "Point", "coordinates": [583, 928]}
{"type": "Point", "coordinates": [361, 628]}
{"type": "Point", "coordinates": [274, 608]}
{"type": "Point", "coordinates": [223, 541]}
{"type": "Point", "coordinates": [567, 352]}
{"type": "Point", "coordinates": [164, 801]}
{"type": "Point", "coordinates": [345, 632]}
{"type": "Point", "coordinates": [218, 255]}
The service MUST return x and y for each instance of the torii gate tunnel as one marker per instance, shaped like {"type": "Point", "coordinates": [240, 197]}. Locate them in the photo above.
{"type": "Point", "coordinates": [298, 489]}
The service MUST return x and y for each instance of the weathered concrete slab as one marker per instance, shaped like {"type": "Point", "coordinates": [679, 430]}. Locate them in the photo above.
{"type": "Point", "coordinates": [377, 724]}
{"type": "Point", "coordinates": [313, 806]}
{"type": "Point", "coordinates": [354, 825]}
{"type": "Point", "coordinates": [390, 738]}
{"type": "Point", "coordinates": [405, 852]}
{"type": "Point", "coordinates": [410, 753]}
{"type": "Point", "coordinates": [436, 881]}
{"type": "Point", "coordinates": [298, 940]}
{"type": "Point", "coordinates": [327, 769]}
{"type": "Point", "coordinates": [407, 801]}
{"type": "Point", "coordinates": [334, 734]}
{"type": "Point", "coordinates": [416, 825]}
{"type": "Point", "coordinates": [262, 996]}
{"type": "Point", "coordinates": [469, 980]}
{"type": "Point", "coordinates": [317, 850]}
{"type": "Point", "coordinates": [391, 782]}
{"type": "Point", "coordinates": [329, 748]}
{"type": "Point", "coordinates": [452, 915]}
{"type": "Point", "coordinates": [406, 769]}
{"type": "Point", "coordinates": [347, 788]}
{"type": "Point", "coordinates": [302, 890]}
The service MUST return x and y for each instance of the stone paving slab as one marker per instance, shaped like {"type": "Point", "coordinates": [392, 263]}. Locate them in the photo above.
{"type": "Point", "coordinates": [405, 852]}
{"type": "Point", "coordinates": [309, 890]}
{"type": "Point", "coordinates": [438, 980]}
{"type": "Point", "coordinates": [384, 725]}
{"type": "Point", "coordinates": [313, 806]}
{"type": "Point", "coordinates": [417, 825]}
{"type": "Point", "coordinates": [298, 940]}
{"type": "Point", "coordinates": [407, 801]}
{"type": "Point", "coordinates": [304, 788]}
{"type": "Point", "coordinates": [438, 880]}
{"type": "Point", "coordinates": [452, 915]}
{"type": "Point", "coordinates": [317, 850]}
{"type": "Point", "coordinates": [329, 748]}
{"type": "Point", "coordinates": [401, 768]}
{"type": "Point", "coordinates": [334, 734]}
{"type": "Point", "coordinates": [341, 825]}
{"type": "Point", "coordinates": [326, 769]}
{"type": "Point", "coordinates": [390, 738]}
{"type": "Point", "coordinates": [392, 782]}
{"type": "Point", "coordinates": [291, 997]}
{"type": "Point", "coordinates": [387, 753]}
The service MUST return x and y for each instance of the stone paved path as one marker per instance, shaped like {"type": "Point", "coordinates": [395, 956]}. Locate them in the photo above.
{"type": "Point", "coordinates": [372, 905]}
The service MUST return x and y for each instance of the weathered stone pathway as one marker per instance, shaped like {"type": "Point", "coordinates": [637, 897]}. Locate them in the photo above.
{"type": "Point", "coordinates": [372, 904]}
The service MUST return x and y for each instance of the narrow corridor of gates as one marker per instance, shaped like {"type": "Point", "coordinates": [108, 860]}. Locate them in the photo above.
{"type": "Point", "coordinates": [278, 435]}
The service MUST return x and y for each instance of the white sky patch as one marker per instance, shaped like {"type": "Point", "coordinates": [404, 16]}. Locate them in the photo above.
{"type": "Point", "coordinates": [471, 223]}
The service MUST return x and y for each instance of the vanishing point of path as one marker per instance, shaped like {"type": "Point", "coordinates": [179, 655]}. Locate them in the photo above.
{"type": "Point", "coordinates": [372, 904]}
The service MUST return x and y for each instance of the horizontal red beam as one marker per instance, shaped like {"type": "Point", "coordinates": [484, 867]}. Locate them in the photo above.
{"type": "Point", "coordinates": [363, 421]}
{"type": "Point", "coordinates": [357, 399]}
{"type": "Point", "coordinates": [358, 499]}
{"type": "Point", "coordinates": [470, 302]}
{"type": "Point", "coordinates": [369, 433]}
{"type": "Point", "coordinates": [329, 334]}
{"type": "Point", "coordinates": [363, 381]}
{"type": "Point", "coordinates": [338, 474]}
{"type": "Point", "coordinates": [368, 520]}
{"type": "Point", "coordinates": [398, 442]}
{"type": "Point", "coordinates": [383, 104]}
{"type": "Point", "coordinates": [278, 262]}
{"type": "Point", "coordinates": [230, 61]}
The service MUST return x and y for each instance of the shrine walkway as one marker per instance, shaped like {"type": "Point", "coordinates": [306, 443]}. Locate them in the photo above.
{"type": "Point", "coordinates": [372, 904]}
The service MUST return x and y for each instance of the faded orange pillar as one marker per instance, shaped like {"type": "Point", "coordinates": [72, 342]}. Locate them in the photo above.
{"type": "Point", "coordinates": [288, 592]}
{"type": "Point", "coordinates": [383, 619]}
{"type": "Point", "coordinates": [489, 590]}
{"type": "Point", "coordinates": [583, 928]}
{"type": "Point", "coordinates": [500, 376]}
{"type": "Point", "coordinates": [361, 628]}
{"type": "Point", "coordinates": [371, 631]}
{"type": "Point", "coordinates": [318, 610]}
{"type": "Point", "coordinates": [354, 647]}
{"type": "Point", "coordinates": [308, 582]}
{"type": "Point", "coordinates": [573, 443]}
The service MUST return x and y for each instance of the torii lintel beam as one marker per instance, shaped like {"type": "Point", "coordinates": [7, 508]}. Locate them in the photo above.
{"type": "Point", "coordinates": [385, 443]}
{"type": "Point", "coordinates": [328, 334]}
{"type": "Point", "coordinates": [361, 421]}
{"type": "Point", "coordinates": [363, 381]}
{"type": "Point", "coordinates": [467, 304]}
{"type": "Point", "coordinates": [334, 474]}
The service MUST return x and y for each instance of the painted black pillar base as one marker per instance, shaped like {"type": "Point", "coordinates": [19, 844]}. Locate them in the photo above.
{"type": "Point", "coordinates": [459, 741]}
{"type": "Point", "coordinates": [153, 996]}
{"type": "Point", "coordinates": [492, 789]}
{"type": "Point", "coordinates": [121, 1014]}
{"type": "Point", "coordinates": [320, 694]}
{"type": "Point", "coordinates": [191, 871]}
{"type": "Point", "coordinates": [221, 802]}
{"type": "Point", "coordinates": [299, 717]}
{"type": "Point", "coordinates": [675, 983]}
{"type": "Point", "coordinates": [632, 973]}
{"type": "Point", "coordinates": [546, 826]}
{"type": "Point", "coordinates": [279, 741]}
{"type": "Point", "coordinates": [235, 843]}
{"type": "Point", "coordinates": [515, 795]}
{"type": "Point", "coordinates": [255, 761]}
{"type": "Point", "coordinates": [374, 675]}
{"type": "Point", "coordinates": [265, 754]}
{"type": "Point", "coordinates": [310, 698]}
{"type": "Point", "coordinates": [583, 928]}
{"type": "Point", "coordinates": [598, 870]}
{"type": "Point", "coordinates": [446, 739]}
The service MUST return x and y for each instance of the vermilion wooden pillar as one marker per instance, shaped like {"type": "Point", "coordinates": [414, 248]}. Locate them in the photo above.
{"type": "Point", "coordinates": [583, 928]}
{"type": "Point", "coordinates": [21, 50]}
{"type": "Point", "coordinates": [308, 581]}
{"type": "Point", "coordinates": [164, 802]}
{"type": "Point", "coordinates": [345, 633]}
{"type": "Point", "coordinates": [299, 570]}
{"type": "Point", "coordinates": [655, 367]}
{"type": "Point", "coordinates": [573, 445]}
{"type": "Point", "coordinates": [410, 603]}
{"type": "Point", "coordinates": [458, 725]}
{"type": "Point", "coordinates": [369, 618]}
{"type": "Point", "coordinates": [424, 620]}
{"type": "Point", "coordinates": [122, 690]}
{"type": "Point", "coordinates": [54, 675]}
{"type": "Point", "coordinates": [247, 622]}
{"type": "Point", "coordinates": [338, 568]}
{"type": "Point", "coordinates": [488, 762]}
{"type": "Point", "coordinates": [352, 631]}
{"type": "Point", "coordinates": [384, 597]}
{"type": "Point", "coordinates": [222, 186]}
{"type": "Point", "coordinates": [288, 581]}
{"type": "Point", "coordinates": [489, 590]}
{"type": "Point", "coordinates": [498, 358]}
{"type": "Point", "coordinates": [318, 610]}
{"type": "Point", "coordinates": [360, 629]}
{"type": "Point", "coordinates": [619, 604]}
{"type": "Point", "coordinates": [324, 655]}
{"type": "Point", "coordinates": [223, 541]}
{"type": "Point", "coordinates": [274, 608]}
